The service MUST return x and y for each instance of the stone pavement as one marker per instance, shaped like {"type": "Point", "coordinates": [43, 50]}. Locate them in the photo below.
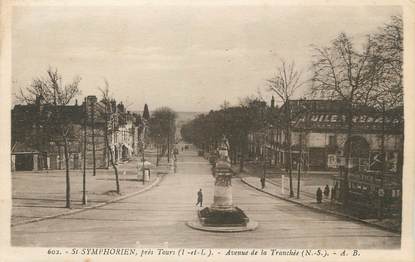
{"type": "Point", "coordinates": [41, 195]}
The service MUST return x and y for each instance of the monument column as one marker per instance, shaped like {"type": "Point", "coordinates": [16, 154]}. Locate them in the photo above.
{"type": "Point", "coordinates": [223, 215]}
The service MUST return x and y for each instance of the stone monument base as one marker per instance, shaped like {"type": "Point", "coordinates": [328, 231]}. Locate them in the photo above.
{"type": "Point", "coordinates": [217, 220]}
{"type": "Point", "coordinates": [252, 225]}
{"type": "Point", "coordinates": [229, 217]}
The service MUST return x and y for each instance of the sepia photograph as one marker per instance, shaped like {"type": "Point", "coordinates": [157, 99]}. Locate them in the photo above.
{"type": "Point", "coordinates": [207, 130]}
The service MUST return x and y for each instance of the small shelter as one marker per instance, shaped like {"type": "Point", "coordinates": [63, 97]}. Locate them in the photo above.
{"type": "Point", "coordinates": [24, 157]}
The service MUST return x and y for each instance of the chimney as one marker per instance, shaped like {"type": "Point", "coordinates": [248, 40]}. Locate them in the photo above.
{"type": "Point", "coordinates": [272, 102]}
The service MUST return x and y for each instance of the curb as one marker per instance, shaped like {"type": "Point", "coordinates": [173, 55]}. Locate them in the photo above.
{"type": "Point", "coordinates": [156, 182]}
{"type": "Point", "coordinates": [338, 214]}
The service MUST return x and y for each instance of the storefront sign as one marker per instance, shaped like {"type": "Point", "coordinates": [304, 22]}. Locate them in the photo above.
{"type": "Point", "coordinates": [331, 161]}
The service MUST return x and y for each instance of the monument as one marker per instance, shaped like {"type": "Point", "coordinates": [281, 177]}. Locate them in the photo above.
{"type": "Point", "coordinates": [223, 215]}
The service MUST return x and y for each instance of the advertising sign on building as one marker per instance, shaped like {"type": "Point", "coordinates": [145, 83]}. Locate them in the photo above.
{"type": "Point", "coordinates": [331, 161]}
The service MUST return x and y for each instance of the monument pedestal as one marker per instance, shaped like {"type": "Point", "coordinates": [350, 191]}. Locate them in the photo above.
{"type": "Point", "coordinates": [222, 215]}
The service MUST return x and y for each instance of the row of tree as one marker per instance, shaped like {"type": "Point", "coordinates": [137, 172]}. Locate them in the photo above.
{"type": "Point", "coordinates": [58, 124]}
{"type": "Point", "coordinates": [162, 133]}
{"type": "Point", "coordinates": [370, 76]}
{"type": "Point", "coordinates": [235, 122]}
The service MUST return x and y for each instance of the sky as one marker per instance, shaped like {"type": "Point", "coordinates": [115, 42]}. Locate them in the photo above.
{"type": "Point", "coordinates": [189, 58]}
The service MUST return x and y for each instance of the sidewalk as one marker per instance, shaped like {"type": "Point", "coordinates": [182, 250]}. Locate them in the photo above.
{"type": "Point", "coordinates": [308, 188]}
{"type": "Point", "coordinates": [41, 195]}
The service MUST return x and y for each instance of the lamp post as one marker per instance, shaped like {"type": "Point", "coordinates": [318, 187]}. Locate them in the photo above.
{"type": "Point", "coordinates": [143, 160]}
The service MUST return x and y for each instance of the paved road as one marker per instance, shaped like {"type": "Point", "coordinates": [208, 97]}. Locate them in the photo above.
{"type": "Point", "coordinates": [159, 215]}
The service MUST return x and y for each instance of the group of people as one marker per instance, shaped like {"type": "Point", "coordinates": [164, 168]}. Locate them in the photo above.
{"type": "Point", "coordinates": [326, 193]}
{"type": "Point", "coordinates": [319, 193]}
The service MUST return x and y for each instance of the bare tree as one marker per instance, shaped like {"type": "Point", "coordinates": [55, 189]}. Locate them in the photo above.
{"type": "Point", "coordinates": [162, 127]}
{"type": "Point", "coordinates": [386, 86]}
{"type": "Point", "coordinates": [107, 113]}
{"type": "Point", "coordinates": [284, 84]}
{"type": "Point", "coordinates": [386, 92]}
{"type": "Point", "coordinates": [343, 73]}
{"type": "Point", "coordinates": [56, 95]}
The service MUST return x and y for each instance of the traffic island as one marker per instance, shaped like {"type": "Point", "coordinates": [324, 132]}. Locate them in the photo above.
{"type": "Point", "coordinates": [222, 216]}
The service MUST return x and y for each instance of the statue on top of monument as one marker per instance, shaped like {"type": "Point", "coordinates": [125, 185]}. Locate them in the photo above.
{"type": "Point", "coordinates": [223, 150]}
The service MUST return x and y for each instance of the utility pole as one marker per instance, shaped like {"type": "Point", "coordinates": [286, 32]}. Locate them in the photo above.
{"type": "Point", "coordinates": [157, 153]}
{"type": "Point", "coordinates": [383, 158]}
{"type": "Point", "coordinates": [264, 168]}
{"type": "Point", "coordinates": [93, 138]}
{"type": "Point", "coordinates": [241, 157]}
{"type": "Point", "coordinates": [84, 167]}
{"type": "Point", "coordinates": [168, 143]}
{"type": "Point", "coordinates": [143, 159]}
{"type": "Point", "coordinates": [290, 160]}
{"type": "Point", "coordinates": [300, 159]}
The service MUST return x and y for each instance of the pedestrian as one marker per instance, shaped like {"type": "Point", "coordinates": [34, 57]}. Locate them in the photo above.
{"type": "Point", "coordinates": [262, 182]}
{"type": "Point", "coordinates": [199, 198]}
{"type": "Point", "coordinates": [333, 193]}
{"type": "Point", "coordinates": [336, 190]}
{"type": "Point", "coordinates": [319, 195]}
{"type": "Point", "coordinates": [326, 191]}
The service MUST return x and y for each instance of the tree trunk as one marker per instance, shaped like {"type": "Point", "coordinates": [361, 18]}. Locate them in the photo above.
{"type": "Point", "coordinates": [68, 180]}
{"type": "Point", "coordinates": [93, 139]}
{"type": "Point", "coordinates": [168, 145]}
{"type": "Point", "coordinates": [241, 160]}
{"type": "Point", "coordinates": [290, 161]}
{"type": "Point", "coordinates": [111, 156]}
{"type": "Point", "coordinates": [84, 167]}
{"type": "Point", "coordinates": [60, 155]}
{"type": "Point", "coordinates": [345, 186]}
{"type": "Point", "coordinates": [158, 154]}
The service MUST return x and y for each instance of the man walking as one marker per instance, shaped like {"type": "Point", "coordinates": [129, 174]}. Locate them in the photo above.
{"type": "Point", "coordinates": [319, 195]}
{"type": "Point", "coordinates": [199, 198]}
{"type": "Point", "coordinates": [262, 182]}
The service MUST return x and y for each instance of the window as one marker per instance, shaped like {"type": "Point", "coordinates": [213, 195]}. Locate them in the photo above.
{"type": "Point", "coordinates": [332, 140]}
{"type": "Point", "coordinates": [396, 193]}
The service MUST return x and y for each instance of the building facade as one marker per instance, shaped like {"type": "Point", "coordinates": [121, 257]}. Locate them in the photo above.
{"type": "Point", "coordinates": [367, 160]}
{"type": "Point", "coordinates": [319, 132]}
{"type": "Point", "coordinates": [35, 147]}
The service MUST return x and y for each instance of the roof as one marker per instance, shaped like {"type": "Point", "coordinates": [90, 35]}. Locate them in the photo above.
{"type": "Point", "coordinates": [20, 147]}
{"type": "Point", "coordinates": [30, 112]}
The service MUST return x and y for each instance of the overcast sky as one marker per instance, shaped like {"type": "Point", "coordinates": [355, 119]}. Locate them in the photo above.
{"type": "Point", "coordinates": [188, 58]}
